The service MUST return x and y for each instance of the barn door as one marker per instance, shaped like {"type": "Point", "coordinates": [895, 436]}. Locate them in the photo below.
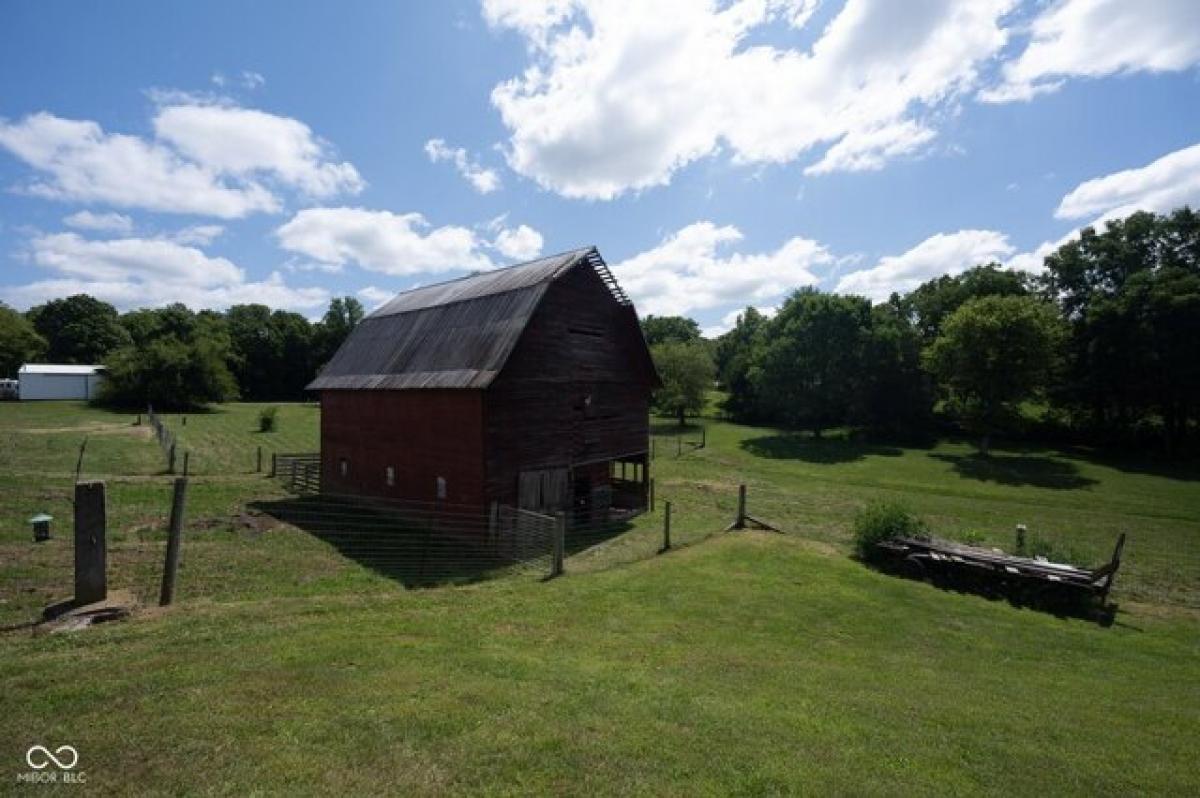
{"type": "Point", "coordinates": [543, 491]}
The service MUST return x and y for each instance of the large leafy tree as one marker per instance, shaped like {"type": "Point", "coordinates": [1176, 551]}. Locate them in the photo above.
{"type": "Point", "coordinates": [687, 372]}
{"type": "Point", "coordinates": [994, 352]}
{"type": "Point", "coordinates": [19, 342]}
{"type": "Point", "coordinates": [932, 302]}
{"type": "Point", "coordinates": [343, 316]}
{"type": "Point", "coordinates": [78, 329]}
{"type": "Point", "coordinates": [734, 355]}
{"type": "Point", "coordinates": [177, 359]}
{"type": "Point", "coordinates": [662, 329]}
{"type": "Point", "coordinates": [896, 395]}
{"type": "Point", "coordinates": [808, 368]}
{"type": "Point", "coordinates": [1129, 294]}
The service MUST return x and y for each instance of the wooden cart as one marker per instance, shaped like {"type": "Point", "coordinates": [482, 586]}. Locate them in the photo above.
{"type": "Point", "coordinates": [922, 558]}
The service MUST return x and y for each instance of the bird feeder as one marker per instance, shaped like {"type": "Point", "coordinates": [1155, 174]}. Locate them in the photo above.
{"type": "Point", "coordinates": [41, 527]}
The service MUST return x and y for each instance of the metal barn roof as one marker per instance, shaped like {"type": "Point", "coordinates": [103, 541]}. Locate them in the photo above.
{"type": "Point", "coordinates": [456, 334]}
{"type": "Point", "coordinates": [59, 368]}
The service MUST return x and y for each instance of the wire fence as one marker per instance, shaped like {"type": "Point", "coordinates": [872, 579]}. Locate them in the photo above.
{"type": "Point", "coordinates": [669, 440]}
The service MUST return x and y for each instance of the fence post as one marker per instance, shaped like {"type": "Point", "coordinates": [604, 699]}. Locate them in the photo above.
{"type": "Point", "coordinates": [740, 521]}
{"type": "Point", "coordinates": [1021, 540]}
{"type": "Point", "coordinates": [171, 459]}
{"type": "Point", "coordinates": [91, 583]}
{"type": "Point", "coordinates": [652, 446]}
{"type": "Point", "coordinates": [185, 462]}
{"type": "Point", "coordinates": [651, 494]}
{"type": "Point", "coordinates": [174, 542]}
{"type": "Point", "coordinates": [139, 420]}
{"type": "Point", "coordinates": [273, 456]}
{"type": "Point", "coordinates": [258, 462]}
{"type": "Point", "coordinates": [666, 527]}
{"type": "Point", "coordinates": [560, 534]}
{"type": "Point", "coordinates": [703, 437]}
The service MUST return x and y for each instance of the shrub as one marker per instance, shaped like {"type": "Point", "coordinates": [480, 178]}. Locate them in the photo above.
{"type": "Point", "coordinates": [266, 419]}
{"type": "Point", "coordinates": [880, 521]}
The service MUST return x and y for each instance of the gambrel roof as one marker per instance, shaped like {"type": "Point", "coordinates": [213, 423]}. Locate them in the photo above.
{"type": "Point", "coordinates": [456, 334]}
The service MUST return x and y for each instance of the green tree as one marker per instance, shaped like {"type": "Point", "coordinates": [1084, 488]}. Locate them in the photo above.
{"type": "Point", "coordinates": [895, 396]}
{"type": "Point", "coordinates": [994, 352]}
{"type": "Point", "coordinates": [662, 329]}
{"type": "Point", "coordinates": [78, 329]}
{"type": "Point", "coordinates": [932, 302]}
{"type": "Point", "coordinates": [343, 316]}
{"type": "Point", "coordinates": [734, 355]}
{"type": "Point", "coordinates": [19, 342]}
{"type": "Point", "coordinates": [808, 370]}
{"type": "Point", "coordinates": [687, 372]}
{"type": "Point", "coordinates": [1128, 294]}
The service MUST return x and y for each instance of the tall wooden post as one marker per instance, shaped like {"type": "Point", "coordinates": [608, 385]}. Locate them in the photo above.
{"type": "Point", "coordinates": [703, 437]}
{"type": "Point", "coordinates": [185, 462]}
{"type": "Point", "coordinates": [258, 462]}
{"type": "Point", "coordinates": [740, 523]}
{"type": "Point", "coordinates": [91, 584]}
{"type": "Point", "coordinates": [174, 542]}
{"type": "Point", "coordinates": [652, 494]}
{"type": "Point", "coordinates": [171, 459]}
{"type": "Point", "coordinates": [273, 456]}
{"type": "Point", "coordinates": [560, 535]}
{"type": "Point", "coordinates": [666, 526]}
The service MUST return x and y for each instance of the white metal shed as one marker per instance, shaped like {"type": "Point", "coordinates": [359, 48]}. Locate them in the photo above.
{"type": "Point", "coordinates": [58, 381]}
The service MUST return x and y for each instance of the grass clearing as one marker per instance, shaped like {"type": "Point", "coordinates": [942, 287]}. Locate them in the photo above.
{"type": "Point", "coordinates": [752, 663]}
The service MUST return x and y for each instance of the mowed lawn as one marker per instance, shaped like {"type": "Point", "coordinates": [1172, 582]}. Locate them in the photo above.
{"type": "Point", "coordinates": [741, 663]}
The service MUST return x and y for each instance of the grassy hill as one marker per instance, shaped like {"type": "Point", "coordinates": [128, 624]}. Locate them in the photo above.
{"type": "Point", "coordinates": [747, 662]}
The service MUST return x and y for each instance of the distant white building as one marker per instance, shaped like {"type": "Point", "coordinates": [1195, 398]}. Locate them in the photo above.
{"type": "Point", "coordinates": [57, 381]}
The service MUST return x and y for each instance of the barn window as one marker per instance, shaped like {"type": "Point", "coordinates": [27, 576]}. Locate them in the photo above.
{"type": "Point", "coordinates": [389, 474]}
{"type": "Point", "coordinates": [343, 466]}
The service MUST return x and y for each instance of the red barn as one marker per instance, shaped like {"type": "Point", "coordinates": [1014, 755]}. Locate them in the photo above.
{"type": "Point", "coordinates": [527, 386]}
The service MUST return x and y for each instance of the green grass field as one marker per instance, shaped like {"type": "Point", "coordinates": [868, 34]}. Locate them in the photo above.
{"type": "Point", "coordinates": [742, 663]}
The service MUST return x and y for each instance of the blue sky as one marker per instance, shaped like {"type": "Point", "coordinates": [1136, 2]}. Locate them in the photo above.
{"type": "Point", "coordinates": [719, 154]}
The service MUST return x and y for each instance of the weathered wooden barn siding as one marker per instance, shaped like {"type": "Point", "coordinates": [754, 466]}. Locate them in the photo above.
{"type": "Point", "coordinates": [578, 344]}
{"type": "Point", "coordinates": [423, 434]}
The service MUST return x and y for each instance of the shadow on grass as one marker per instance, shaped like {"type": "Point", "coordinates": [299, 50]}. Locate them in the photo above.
{"type": "Point", "coordinates": [1018, 470]}
{"type": "Point", "coordinates": [1062, 602]}
{"type": "Point", "coordinates": [799, 446]}
{"type": "Point", "coordinates": [422, 549]}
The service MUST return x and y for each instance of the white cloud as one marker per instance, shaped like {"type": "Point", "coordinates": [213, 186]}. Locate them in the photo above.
{"type": "Point", "coordinates": [199, 234]}
{"type": "Point", "coordinates": [519, 243]}
{"type": "Point", "coordinates": [621, 95]}
{"type": "Point", "coordinates": [244, 142]}
{"type": "Point", "coordinates": [481, 179]}
{"type": "Point", "coordinates": [381, 241]}
{"type": "Point", "coordinates": [687, 271]}
{"type": "Point", "coordinates": [943, 253]}
{"type": "Point", "coordinates": [1161, 186]}
{"type": "Point", "coordinates": [140, 272]}
{"type": "Point", "coordinates": [374, 296]}
{"type": "Point", "coordinates": [252, 80]}
{"type": "Point", "coordinates": [102, 222]}
{"type": "Point", "coordinates": [730, 319]}
{"type": "Point", "coordinates": [83, 163]}
{"type": "Point", "coordinates": [1093, 38]}
{"type": "Point", "coordinates": [207, 158]}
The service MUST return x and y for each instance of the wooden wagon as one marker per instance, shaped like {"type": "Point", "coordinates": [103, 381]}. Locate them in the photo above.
{"type": "Point", "coordinates": [933, 557]}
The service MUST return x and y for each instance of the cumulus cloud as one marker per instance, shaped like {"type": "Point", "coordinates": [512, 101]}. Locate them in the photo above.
{"type": "Point", "coordinates": [621, 95]}
{"type": "Point", "coordinates": [519, 243]}
{"type": "Point", "coordinates": [1161, 186]}
{"type": "Point", "coordinates": [374, 296]}
{"type": "Point", "coordinates": [1093, 38]}
{"type": "Point", "coordinates": [381, 241]}
{"type": "Point", "coordinates": [943, 253]}
{"type": "Point", "coordinates": [483, 180]}
{"type": "Point", "coordinates": [208, 159]}
{"type": "Point", "coordinates": [99, 222]}
{"type": "Point", "coordinates": [691, 270]}
{"type": "Point", "coordinates": [200, 234]}
{"type": "Point", "coordinates": [139, 272]}
{"type": "Point", "coordinates": [243, 142]}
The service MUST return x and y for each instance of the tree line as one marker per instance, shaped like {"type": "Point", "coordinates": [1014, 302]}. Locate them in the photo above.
{"type": "Point", "coordinates": [1102, 347]}
{"type": "Point", "coordinates": [175, 358]}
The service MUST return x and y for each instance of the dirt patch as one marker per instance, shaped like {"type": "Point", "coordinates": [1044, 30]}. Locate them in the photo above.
{"type": "Point", "coordinates": [94, 429]}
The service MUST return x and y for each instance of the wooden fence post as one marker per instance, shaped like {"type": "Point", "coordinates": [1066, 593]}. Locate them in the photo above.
{"type": "Point", "coordinates": [1021, 539]}
{"type": "Point", "coordinates": [91, 583]}
{"type": "Point", "coordinates": [171, 459]}
{"type": "Point", "coordinates": [273, 457]}
{"type": "Point", "coordinates": [651, 494]}
{"type": "Point", "coordinates": [185, 462]}
{"type": "Point", "coordinates": [740, 521]}
{"type": "Point", "coordinates": [666, 527]}
{"type": "Point", "coordinates": [703, 437]}
{"type": "Point", "coordinates": [560, 534]}
{"type": "Point", "coordinates": [174, 543]}
{"type": "Point", "coordinates": [258, 462]}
